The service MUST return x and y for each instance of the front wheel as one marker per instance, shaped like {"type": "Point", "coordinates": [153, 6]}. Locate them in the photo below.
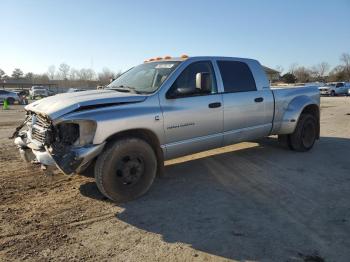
{"type": "Point", "coordinates": [126, 169]}
{"type": "Point", "coordinates": [305, 133]}
{"type": "Point", "coordinates": [10, 100]}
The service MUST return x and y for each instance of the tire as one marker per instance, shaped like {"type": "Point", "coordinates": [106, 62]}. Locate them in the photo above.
{"type": "Point", "coordinates": [305, 133]}
{"type": "Point", "coordinates": [126, 169]}
{"type": "Point", "coordinates": [88, 171]}
{"type": "Point", "coordinates": [285, 141]}
{"type": "Point", "coordinates": [10, 100]}
{"type": "Point", "coordinates": [332, 93]}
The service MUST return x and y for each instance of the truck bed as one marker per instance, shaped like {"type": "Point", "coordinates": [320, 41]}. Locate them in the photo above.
{"type": "Point", "coordinates": [287, 102]}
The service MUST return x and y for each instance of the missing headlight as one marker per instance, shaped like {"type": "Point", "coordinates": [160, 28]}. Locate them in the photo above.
{"type": "Point", "coordinates": [68, 133]}
{"type": "Point", "coordinates": [79, 132]}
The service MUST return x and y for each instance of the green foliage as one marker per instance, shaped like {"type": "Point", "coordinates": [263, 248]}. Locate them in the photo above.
{"type": "Point", "coordinates": [17, 73]}
{"type": "Point", "coordinates": [289, 78]}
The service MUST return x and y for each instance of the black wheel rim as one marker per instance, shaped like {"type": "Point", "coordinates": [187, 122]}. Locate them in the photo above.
{"type": "Point", "coordinates": [308, 134]}
{"type": "Point", "coordinates": [130, 169]}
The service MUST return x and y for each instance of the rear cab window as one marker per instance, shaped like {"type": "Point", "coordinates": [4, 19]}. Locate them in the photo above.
{"type": "Point", "coordinates": [236, 76]}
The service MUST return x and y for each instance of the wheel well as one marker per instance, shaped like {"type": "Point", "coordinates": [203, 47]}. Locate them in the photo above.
{"type": "Point", "coordinates": [315, 111]}
{"type": "Point", "coordinates": [147, 136]}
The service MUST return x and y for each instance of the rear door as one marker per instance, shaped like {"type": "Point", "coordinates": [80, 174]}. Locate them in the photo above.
{"type": "Point", "coordinates": [340, 88]}
{"type": "Point", "coordinates": [193, 122]}
{"type": "Point", "coordinates": [248, 111]}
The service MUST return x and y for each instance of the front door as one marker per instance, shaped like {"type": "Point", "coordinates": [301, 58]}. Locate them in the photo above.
{"type": "Point", "coordinates": [193, 111]}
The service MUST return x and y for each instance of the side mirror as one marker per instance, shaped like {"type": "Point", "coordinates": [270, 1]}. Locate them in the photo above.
{"type": "Point", "coordinates": [203, 82]}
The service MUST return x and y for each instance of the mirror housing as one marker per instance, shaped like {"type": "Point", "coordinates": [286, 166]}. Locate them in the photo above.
{"type": "Point", "coordinates": [203, 82]}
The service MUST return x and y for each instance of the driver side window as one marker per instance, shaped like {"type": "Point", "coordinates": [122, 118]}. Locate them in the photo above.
{"type": "Point", "coordinates": [195, 80]}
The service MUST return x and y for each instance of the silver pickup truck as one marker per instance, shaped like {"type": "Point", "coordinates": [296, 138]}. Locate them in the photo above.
{"type": "Point", "coordinates": [162, 109]}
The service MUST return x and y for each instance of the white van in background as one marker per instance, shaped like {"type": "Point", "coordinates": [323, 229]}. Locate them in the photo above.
{"type": "Point", "coordinates": [38, 91]}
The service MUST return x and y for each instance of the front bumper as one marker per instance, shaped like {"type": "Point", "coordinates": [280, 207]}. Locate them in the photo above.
{"type": "Point", "coordinates": [325, 92]}
{"type": "Point", "coordinates": [74, 159]}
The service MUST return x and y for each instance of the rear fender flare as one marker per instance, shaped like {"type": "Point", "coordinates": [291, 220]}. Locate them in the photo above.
{"type": "Point", "coordinates": [292, 113]}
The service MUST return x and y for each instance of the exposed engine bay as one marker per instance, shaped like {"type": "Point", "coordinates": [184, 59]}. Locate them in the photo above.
{"type": "Point", "coordinates": [66, 144]}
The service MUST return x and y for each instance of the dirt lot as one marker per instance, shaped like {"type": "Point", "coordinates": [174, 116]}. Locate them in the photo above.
{"type": "Point", "coordinates": [251, 201]}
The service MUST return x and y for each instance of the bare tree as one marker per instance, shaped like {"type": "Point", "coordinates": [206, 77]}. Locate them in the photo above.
{"type": "Point", "coordinates": [86, 74]}
{"type": "Point", "coordinates": [319, 71]}
{"type": "Point", "coordinates": [302, 74]}
{"type": "Point", "coordinates": [29, 75]}
{"type": "Point", "coordinates": [41, 78]}
{"type": "Point", "coordinates": [323, 68]}
{"type": "Point", "coordinates": [2, 73]}
{"type": "Point", "coordinates": [345, 58]}
{"type": "Point", "coordinates": [337, 74]}
{"type": "Point", "coordinates": [51, 72]}
{"type": "Point", "coordinates": [64, 70]}
{"type": "Point", "coordinates": [292, 68]}
{"type": "Point", "coordinates": [73, 74]}
{"type": "Point", "coordinates": [17, 73]}
{"type": "Point", "coordinates": [106, 76]}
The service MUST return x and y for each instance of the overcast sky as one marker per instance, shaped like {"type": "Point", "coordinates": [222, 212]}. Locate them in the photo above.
{"type": "Point", "coordinates": [119, 34]}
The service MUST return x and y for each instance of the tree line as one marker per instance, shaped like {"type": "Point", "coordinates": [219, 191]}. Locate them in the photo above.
{"type": "Point", "coordinates": [64, 72]}
{"type": "Point", "coordinates": [321, 72]}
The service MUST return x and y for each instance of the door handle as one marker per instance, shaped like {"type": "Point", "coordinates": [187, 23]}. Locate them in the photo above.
{"type": "Point", "coordinates": [258, 99]}
{"type": "Point", "coordinates": [214, 105]}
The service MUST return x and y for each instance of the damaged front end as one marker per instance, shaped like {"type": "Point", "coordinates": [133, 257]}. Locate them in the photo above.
{"type": "Point", "coordinates": [66, 144]}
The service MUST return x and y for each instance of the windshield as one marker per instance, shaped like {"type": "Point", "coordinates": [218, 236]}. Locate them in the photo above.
{"type": "Point", "coordinates": [330, 84]}
{"type": "Point", "coordinates": [144, 78]}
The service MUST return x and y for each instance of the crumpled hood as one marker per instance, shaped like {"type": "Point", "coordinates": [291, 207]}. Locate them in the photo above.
{"type": "Point", "coordinates": [61, 104]}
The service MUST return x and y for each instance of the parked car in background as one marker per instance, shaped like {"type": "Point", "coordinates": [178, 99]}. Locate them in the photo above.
{"type": "Point", "coordinates": [72, 90]}
{"type": "Point", "coordinates": [38, 91]}
{"type": "Point", "coordinates": [334, 88]}
{"type": "Point", "coordinates": [51, 93]}
{"type": "Point", "coordinates": [163, 109]}
{"type": "Point", "coordinates": [10, 96]}
{"type": "Point", "coordinates": [23, 95]}
{"type": "Point", "coordinates": [21, 92]}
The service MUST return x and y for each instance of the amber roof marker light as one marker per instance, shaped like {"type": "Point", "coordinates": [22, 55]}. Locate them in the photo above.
{"type": "Point", "coordinates": [167, 57]}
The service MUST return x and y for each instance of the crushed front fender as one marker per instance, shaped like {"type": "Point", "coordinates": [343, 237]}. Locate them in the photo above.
{"type": "Point", "coordinates": [70, 160]}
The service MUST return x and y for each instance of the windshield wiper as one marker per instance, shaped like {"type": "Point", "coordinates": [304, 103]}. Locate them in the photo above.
{"type": "Point", "coordinates": [123, 88]}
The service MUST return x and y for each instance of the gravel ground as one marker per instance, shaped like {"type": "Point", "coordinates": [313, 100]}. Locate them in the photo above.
{"type": "Point", "coordinates": [247, 202]}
